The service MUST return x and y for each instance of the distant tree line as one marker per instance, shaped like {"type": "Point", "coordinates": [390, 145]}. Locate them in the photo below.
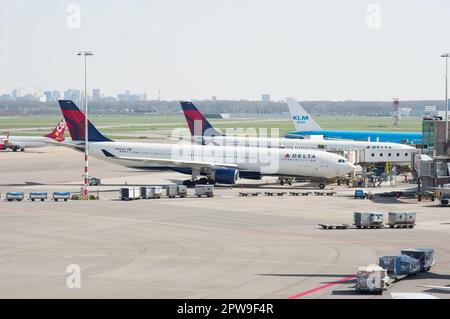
{"type": "Point", "coordinates": [350, 108]}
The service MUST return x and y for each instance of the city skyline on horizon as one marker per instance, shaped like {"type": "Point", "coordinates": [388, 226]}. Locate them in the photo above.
{"type": "Point", "coordinates": [319, 50]}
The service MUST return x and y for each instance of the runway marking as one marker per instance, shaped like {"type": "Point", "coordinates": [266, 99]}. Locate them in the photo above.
{"type": "Point", "coordinates": [307, 292]}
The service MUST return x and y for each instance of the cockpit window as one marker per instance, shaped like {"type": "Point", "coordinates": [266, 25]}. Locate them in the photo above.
{"type": "Point", "coordinates": [341, 161]}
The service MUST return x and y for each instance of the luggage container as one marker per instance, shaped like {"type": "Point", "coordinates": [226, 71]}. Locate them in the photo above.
{"type": "Point", "coordinates": [371, 279]}
{"type": "Point", "coordinates": [401, 219]}
{"type": "Point", "coordinates": [425, 256]}
{"type": "Point", "coordinates": [182, 190]}
{"type": "Point", "coordinates": [172, 191]}
{"type": "Point", "coordinates": [151, 192]}
{"type": "Point", "coordinates": [400, 266]}
{"type": "Point", "coordinates": [18, 196]}
{"type": "Point", "coordinates": [129, 193]}
{"type": "Point", "coordinates": [38, 196]}
{"type": "Point", "coordinates": [368, 220]}
{"type": "Point", "coordinates": [61, 195]}
{"type": "Point", "coordinates": [204, 190]}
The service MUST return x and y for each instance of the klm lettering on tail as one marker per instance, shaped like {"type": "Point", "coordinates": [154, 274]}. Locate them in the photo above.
{"type": "Point", "coordinates": [303, 122]}
{"type": "Point", "coordinates": [300, 119]}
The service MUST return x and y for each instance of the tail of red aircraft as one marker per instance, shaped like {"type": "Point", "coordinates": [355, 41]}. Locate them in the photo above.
{"type": "Point", "coordinates": [58, 132]}
{"type": "Point", "coordinates": [3, 142]}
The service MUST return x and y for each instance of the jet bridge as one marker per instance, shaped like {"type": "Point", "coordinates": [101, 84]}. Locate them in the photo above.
{"type": "Point", "coordinates": [372, 156]}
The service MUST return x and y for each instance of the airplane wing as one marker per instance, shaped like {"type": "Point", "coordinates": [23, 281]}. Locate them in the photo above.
{"type": "Point", "coordinates": [174, 162]}
{"type": "Point", "coordinates": [447, 288]}
{"type": "Point", "coordinates": [79, 146]}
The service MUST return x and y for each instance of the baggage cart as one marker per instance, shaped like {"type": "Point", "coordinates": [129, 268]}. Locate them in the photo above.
{"type": "Point", "coordinates": [149, 192]}
{"type": "Point", "coordinates": [401, 219]}
{"type": "Point", "coordinates": [65, 196]}
{"type": "Point", "coordinates": [38, 196]}
{"type": "Point", "coordinates": [204, 190]}
{"type": "Point", "coordinates": [398, 267]}
{"type": "Point", "coordinates": [334, 226]}
{"type": "Point", "coordinates": [371, 279]}
{"type": "Point", "coordinates": [10, 196]}
{"type": "Point", "coordinates": [129, 193]}
{"type": "Point", "coordinates": [172, 191]}
{"type": "Point", "coordinates": [182, 190]}
{"type": "Point", "coordinates": [368, 220]}
{"type": "Point", "coordinates": [425, 256]}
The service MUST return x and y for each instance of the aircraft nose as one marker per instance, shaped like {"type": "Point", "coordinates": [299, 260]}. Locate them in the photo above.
{"type": "Point", "coordinates": [349, 167]}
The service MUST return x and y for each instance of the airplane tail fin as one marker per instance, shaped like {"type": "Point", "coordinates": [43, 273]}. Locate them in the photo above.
{"type": "Point", "coordinates": [198, 124]}
{"type": "Point", "coordinates": [58, 132]}
{"type": "Point", "coordinates": [302, 120]}
{"type": "Point", "coordinates": [75, 121]}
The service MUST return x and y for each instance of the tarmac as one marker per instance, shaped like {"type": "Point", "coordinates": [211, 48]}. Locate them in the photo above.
{"type": "Point", "coordinates": [222, 247]}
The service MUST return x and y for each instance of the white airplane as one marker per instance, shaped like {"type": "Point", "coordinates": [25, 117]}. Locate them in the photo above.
{"type": "Point", "coordinates": [220, 164]}
{"type": "Point", "coordinates": [203, 132]}
{"type": "Point", "coordinates": [16, 143]}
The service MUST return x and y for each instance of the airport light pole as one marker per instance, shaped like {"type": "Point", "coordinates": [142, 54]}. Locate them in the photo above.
{"type": "Point", "coordinates": [446, 56]}
{"type": "Point", "coordinates": [86, 125]}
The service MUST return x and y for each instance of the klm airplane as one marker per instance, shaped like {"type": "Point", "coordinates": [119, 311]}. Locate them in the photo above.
{"type": "Point", "coordinates": [305, 125]}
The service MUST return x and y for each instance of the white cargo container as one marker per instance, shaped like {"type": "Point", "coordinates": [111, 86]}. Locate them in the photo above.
{"type": "Point", "coordinates": [171, 191]}
{"type": "Point", "coordinates": [371, 279]}
{"type": "Point", "coordinates": [368, 220]}
{"type": "Point", "coordinates": [129, 193]}
{"type": "Point", "coordinates": [204, 190]}
{"type": "Point", "coordinates": [182, 190]}
{"type": "Point", "coordinates": [151, 191]}
{"type": "Point", "coordinates": [401, 219]}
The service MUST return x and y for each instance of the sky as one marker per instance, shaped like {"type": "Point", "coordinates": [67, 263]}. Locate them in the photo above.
{"type": "Point", "coordinates": [232, 49]}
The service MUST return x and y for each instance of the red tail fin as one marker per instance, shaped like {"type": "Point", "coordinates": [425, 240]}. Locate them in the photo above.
{"type": "Point", "coordinates": [58, 133]}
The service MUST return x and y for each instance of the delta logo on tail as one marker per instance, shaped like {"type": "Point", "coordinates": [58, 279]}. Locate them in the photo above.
{"type": "Point", "coordinates": [75, 121]}
{"type": "Point", "coordinates": [198, 124]}
{"type": "Point", "coordinates": [58, 132]}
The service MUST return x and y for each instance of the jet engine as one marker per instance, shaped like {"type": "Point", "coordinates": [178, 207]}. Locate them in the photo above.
{"type": "Point", "coordinates": [224, 175]}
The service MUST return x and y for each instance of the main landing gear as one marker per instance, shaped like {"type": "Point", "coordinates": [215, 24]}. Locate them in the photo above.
{"type": "Point", "coordinates": [322, 183]}
{"type": "Point", "coordinates": [285, 180]}
{"type": "Point", "coordinates": [201, 181]}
